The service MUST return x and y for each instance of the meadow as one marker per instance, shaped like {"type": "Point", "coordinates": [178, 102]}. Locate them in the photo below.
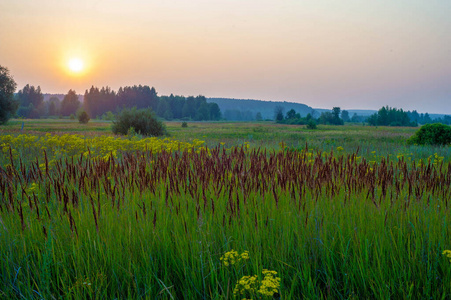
{"type": "Point", "coordinates": [222, 211]}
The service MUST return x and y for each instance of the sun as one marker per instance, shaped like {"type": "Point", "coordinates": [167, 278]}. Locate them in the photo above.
{"type": "Point", "coordinates": [76, 65]}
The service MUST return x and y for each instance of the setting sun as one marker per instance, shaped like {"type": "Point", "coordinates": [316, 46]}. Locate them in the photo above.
{"type": "Point", "coordinates": [76, 65]}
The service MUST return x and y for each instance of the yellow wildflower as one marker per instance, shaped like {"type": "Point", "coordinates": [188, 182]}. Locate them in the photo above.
{"type": "Point", "coordinates": [447, 253]}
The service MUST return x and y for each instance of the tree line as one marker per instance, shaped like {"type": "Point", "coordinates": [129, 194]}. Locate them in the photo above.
{"type": "Point", "coordinates": [386, 116]}
{"type": "Point", "coordinates": [334, 117]}
{"type": "Point", "coordinates": [104, 102]}
{"type": "Point", "coordinates": [98, 102]}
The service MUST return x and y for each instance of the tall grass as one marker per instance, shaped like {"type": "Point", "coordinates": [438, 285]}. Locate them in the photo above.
{"type": "Point", "coordinates": [154, 225]}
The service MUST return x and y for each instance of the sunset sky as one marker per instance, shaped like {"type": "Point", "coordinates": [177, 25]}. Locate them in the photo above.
{"type": "Point", "coordinates": [356, 54]}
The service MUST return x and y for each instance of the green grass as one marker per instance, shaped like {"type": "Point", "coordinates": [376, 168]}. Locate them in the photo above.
{"type": "Point", "coordinates": [154, 226]}
{"type": "Point", "coordinates": [372, 143]}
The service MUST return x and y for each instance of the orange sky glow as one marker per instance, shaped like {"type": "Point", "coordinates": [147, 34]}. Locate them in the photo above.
{"type": "Point", "coordinates": [353, 54]}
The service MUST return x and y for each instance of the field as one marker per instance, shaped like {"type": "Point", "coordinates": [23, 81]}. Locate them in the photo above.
{"type": "Point", "coordinates": [222, 211]}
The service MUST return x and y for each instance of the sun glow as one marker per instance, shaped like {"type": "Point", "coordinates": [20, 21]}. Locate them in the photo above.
{"type": "Point", "coordinates": [76, 65]}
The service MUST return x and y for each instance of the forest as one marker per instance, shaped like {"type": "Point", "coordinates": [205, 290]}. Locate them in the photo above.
{"type": "Point", "coordinates": [105, 103]}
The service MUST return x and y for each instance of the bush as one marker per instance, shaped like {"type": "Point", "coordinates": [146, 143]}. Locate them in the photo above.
{"type": "Point", "coordinates": [108, 116]}
{"type": "Point", "coordinates": [184, 125]}
{"type": "Point", "coordinates": [83, 117]}
{"type": "Point", "coordinates": [432, 134]}
{"type": "Point", "coordinates": [143, 121]}
{"type": "Point", "coordinates": [311, 124]}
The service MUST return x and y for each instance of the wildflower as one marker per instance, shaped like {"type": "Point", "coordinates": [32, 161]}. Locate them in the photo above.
{"type": "Point", "coordinates": [246, 286]}
{"type": "Point", "coordinates": [232, 257]}
{"type": "Point", "coordinates": [33, 187]}
{"type": "Point", "coordinates": [245, 255]}
{"type": "Point", "coordinates": [249, 286]}
{"type": "Point", "coordinates": [270, 283]}
{"type": "Point", "coordinates": [447, 253]}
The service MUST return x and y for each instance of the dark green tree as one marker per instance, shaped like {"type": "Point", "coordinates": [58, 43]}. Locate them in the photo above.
{"type": "Point", "coordinates": [70, 103]}
{"type": "Point", "coordinates": [387, 116]}
{"type": "Point", "coordinates": [355, 118]}
{"type": "Point", "coordinates": [54, 106]}
{"type": "Point", "coordinates": [31, 102]}
{"type": "Point", "coordinates": [203, 113]}
{"type": "Point", "coordinates": [258, 116]}
{"type": "Point", "coordinates": [164, 110]}
{"type": "Point", "coordinates": [8, 105]}
{"type": "Point", "coordinates": [189, 108]}
{"type": "Point", "coordinates": [345, 116]}
{"type": "Point", "coordinates": [414, 116]}
{"type": "Point", "coordinates": [278, 113]}
{"type": "Point", "coordinates": [141, 96]}
{"type": "Point", "coordinates": [215, 111]}
{"type": "Point", "coordinates": [382, 116]}
{"type": "Point", "coordinates": [332, 117]}
{"type": "Point", "coordinates": [336, 112]}
{"type": "Point", "coordinates": [97, 101]}
{"type": "Point", "coordinates": [291, 114]}
{"type": "Point", "coordinates": [176, 105]}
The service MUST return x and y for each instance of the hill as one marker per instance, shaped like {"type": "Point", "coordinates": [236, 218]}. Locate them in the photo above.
{"type": "Point", "coordinates": [247, 109]}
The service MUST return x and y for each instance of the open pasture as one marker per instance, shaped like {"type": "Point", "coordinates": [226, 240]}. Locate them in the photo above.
{"type": "Point", "coordinates": [346, 212]}
{"type": "Point", "coordinates": [372, 143]}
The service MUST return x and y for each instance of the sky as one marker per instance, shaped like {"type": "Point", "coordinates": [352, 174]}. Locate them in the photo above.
{"type": "Point", "coordinates": [353, 54]}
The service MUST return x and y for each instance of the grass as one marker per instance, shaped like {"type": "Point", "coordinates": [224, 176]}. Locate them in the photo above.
{"type": "Point", "coordinates": [372, 143]}
{"type": "Point", "coordinates": [148, 225]}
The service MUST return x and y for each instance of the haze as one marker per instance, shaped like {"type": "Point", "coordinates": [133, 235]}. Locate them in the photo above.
{"type": "Point", "coordinates": [352, 54]}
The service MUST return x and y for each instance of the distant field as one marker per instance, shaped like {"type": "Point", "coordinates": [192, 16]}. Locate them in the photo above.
{"type": "Point", "coordinates": [371, 142]}
{"type": "Point", "coordinates": [222, 211]}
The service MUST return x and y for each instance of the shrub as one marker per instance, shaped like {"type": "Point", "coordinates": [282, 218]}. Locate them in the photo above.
{"type": "Point", "coordinates": [184, 124]}
{"type": "Point", "coordinates": [311, 124]}
{"type": "Point", "coordinates": [109, 116]}
{"type": "Point", "coordinates": [432, 134]}
{"type": "Point", "coordinates": [144, 122]}
{"type": "Point", "coordinates": [83, 117]}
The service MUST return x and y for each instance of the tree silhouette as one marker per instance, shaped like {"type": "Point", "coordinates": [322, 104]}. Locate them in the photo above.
{"type": "Point", "coordinates": [70, 103]}
{"type": "Point", "coordinates": [8, 105]}
{"type": "Point", "coordinates": [30, 102]}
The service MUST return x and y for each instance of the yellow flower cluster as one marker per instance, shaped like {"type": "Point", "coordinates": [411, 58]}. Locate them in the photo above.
{"type": "Point", "coordinates": [437, 159]}
{"type": "Point", "coordinates": [249, 286]}
{"type": "Point", "coordinates": [100, 146]}
{"type": "Point", "coordinates": [32, 188]}
{"type": "Point", "coordinates": [232, 257]}
{"type": "Point", "coordinates": [270, 283]}
{"type": "Point", "coordinates": [246, 286]}
{"type": "Point", "coordinates": [447, 253]}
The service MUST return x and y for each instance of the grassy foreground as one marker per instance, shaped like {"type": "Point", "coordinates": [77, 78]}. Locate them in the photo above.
{"type": "Point", "coordinates": [165, 222]}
